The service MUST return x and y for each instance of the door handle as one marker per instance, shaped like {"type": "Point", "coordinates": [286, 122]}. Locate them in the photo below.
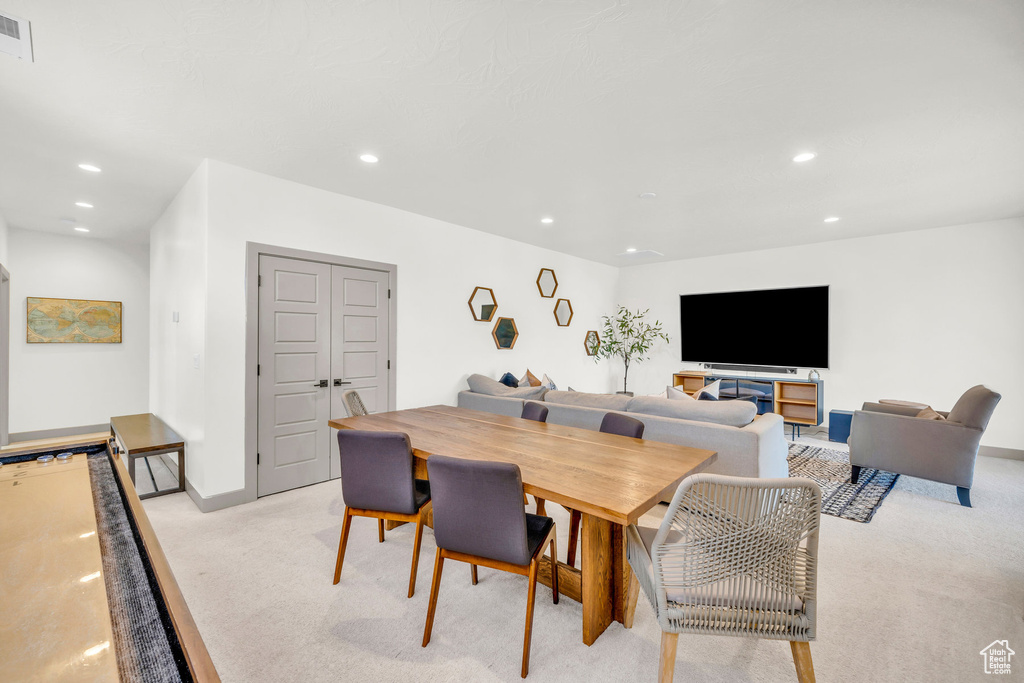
{"type": "Point", "coordinates": [338, 382]}
{"type": "Point", "coordinates": [322, 384]}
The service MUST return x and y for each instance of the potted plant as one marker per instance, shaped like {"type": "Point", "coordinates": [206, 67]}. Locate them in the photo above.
{"type": "Point", "coordinates": [628, 336]}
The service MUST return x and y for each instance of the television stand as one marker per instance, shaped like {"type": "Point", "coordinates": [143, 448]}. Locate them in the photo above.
{"type": "Point", "coordinates": [800, 402]}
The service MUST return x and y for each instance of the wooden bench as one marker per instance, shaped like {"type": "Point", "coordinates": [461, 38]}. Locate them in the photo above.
{"type": "Point", "coordinates": [145, 435]}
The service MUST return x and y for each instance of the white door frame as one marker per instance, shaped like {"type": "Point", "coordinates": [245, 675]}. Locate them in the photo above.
{"type": "Point", "coordinates": [253, 251]}
{"type": "Point", "coordinates": [5, 354]}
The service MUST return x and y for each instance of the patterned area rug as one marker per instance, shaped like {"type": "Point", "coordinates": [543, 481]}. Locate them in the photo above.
{"type": "Point", "coordinates": [831, 470]}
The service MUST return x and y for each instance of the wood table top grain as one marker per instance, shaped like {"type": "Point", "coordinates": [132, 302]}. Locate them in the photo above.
{"type": "Point", "coordinates": [613, 477]}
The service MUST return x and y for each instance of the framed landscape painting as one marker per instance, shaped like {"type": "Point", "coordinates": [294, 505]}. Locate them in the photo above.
{"type": "Point", "coordinates": [73, 321]}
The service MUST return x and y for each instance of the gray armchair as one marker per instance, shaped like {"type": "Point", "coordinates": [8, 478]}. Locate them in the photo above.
{"type": "Point", "coordinates": [890, 437]}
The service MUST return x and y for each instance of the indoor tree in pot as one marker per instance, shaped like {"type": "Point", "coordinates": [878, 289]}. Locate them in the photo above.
{"type": "Point", "coordinates": [628, 336]}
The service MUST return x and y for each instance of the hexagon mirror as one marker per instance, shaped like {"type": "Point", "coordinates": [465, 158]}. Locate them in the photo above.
{"type": "Point", "coordinates": [505, 333]}
{"type": "Point", "coordinates": [563, 312]}
{"type": "Point", "coordinates": [483, 304]}
{"type": "Point", "coordinates": [592, 342]}
{"type": "Point", "coordinates": [547, 283]}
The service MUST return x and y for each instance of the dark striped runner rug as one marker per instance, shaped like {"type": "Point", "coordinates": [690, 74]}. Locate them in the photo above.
{"type": "Point", "coordinates": [831, 470]}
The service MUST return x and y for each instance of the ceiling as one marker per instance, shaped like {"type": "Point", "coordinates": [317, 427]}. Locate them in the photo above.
{"type": "Point", "coordinates": [492, 114]}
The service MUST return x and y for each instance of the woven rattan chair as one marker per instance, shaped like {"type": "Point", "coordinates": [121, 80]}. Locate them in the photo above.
{"type": "Point", "coordinates": [354, 403]}
{"type": "Point", "coordinates": [733, 557]}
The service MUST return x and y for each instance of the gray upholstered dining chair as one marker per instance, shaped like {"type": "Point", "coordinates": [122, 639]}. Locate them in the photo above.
{"type": "Point", "coordinates": [538, 413]}
{"type": "Point", "coordinates": [535, 411]}
{"type": "Point", "coordinates": [612, 423]}
{"type": "Point", "coordinates": [479, 519]}
{"type": "Point", "coordinates": [942, 447]}
{"type": "Point", "coordinates": [377, 481]}
{"type": "Point", "coordinates": [734, 556]}
{"type": "Point", "coordinates": [354, 403]}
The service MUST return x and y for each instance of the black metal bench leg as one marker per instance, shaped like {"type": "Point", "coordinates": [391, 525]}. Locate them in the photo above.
{"type": "Point", "coordinates": [854, 473]}
{"type": "Point", "coordinates": [964, 495]}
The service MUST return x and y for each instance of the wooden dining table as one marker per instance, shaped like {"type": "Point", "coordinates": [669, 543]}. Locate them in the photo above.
{"type": "Point", "coordinates": [611, 480]}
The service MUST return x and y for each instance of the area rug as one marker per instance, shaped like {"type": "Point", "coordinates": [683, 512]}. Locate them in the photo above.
{"type": "Point", "coordinates": [831, 470]}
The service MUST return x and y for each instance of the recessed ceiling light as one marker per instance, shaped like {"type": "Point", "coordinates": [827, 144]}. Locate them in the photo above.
{"type": "Point", "coordinates": [631, 250]}
{"type": "Point", "coordinates": [832, 219]}
{"type": "Point", "coordinates": [369, 158]}
{"type": "Point", "coordinates": [90, 168]}
{"type": "Point", "coordinates": [84, 205]}
{"type": "Point", "coordinates": [647, 195]}
{"type": "Point", "coordinates": [804, 156]}
{"type": "Point", "coordinates": [79, 228]}
{"type": "Point", "coordinates": [547, 220]}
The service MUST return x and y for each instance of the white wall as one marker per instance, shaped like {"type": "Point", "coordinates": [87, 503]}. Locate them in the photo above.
{"type": "Point", "coordinates": [916, 315]}
{"type": "Point", "coordinates": [69, 385]}
{"type": "Point", "coordinates": [178, 284]}
{"type": "Point", "coordinates": [3, 241]}
{"type": "Point", "coordinates": [439, 264]}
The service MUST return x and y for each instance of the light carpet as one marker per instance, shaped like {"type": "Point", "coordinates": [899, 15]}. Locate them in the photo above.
{"type": "Point", "coordinates": [912, 596]}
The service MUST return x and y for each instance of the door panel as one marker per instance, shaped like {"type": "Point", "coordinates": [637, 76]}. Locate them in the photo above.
{"type": "Point", "coordinates": [359, 348]}
{"type": "Point", "coordinates": [295, 355]}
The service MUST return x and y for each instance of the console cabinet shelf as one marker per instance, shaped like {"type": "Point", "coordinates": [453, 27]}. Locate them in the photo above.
{"type": "Point", "coordinates": [798, 401]}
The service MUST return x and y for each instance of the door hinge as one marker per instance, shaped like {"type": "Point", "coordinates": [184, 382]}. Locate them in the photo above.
{"type": "Point", "coordinates": [257, 458]}
{"type": "Point", "coordinates": [389, 365]}
{"type": "Point", "coordinates": [389, 293]}
{"type": "Point", "coordinates": [259, 280]}
{"type": "Point", "coordinates": [257, 369]}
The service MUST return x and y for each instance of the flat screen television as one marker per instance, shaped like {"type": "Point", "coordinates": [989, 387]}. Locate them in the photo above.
{"type": "Point", "coordinates": [764, 327]}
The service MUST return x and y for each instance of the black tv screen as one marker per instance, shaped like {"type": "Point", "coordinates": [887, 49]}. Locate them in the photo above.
{"type": "Point", "coordinates": [785, 328]}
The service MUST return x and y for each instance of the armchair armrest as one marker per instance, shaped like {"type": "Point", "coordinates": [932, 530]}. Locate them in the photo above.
{"type": "Point", "coordinates": [930, 449]}
{"type": "Point", "coordinates": [891, 409]}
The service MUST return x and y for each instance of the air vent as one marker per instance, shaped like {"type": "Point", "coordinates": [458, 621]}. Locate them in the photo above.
{"type": "Point", "coordinates": [15, 37]}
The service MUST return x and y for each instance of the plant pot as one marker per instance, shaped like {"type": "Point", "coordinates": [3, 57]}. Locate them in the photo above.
{"type": "Point", "coordinates": [625, 393]}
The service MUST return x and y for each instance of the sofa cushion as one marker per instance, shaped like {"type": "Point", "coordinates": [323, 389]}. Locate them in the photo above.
{"type": "Point", "coordinates": [482, 384]}
{"type": "Point", "coordinates": [929, 414]}
{"type": "Point", "coordinates": [580, 398]}
{"type": "Point", "coordinates": [730, 413]}
{"type": "Point", "coordinates": [529, 379]}
{"type": "Point", "coordinates": [709, 390]}
{"type": "Point", "coordinates": [676, 394]}
{"type": "Point", "coordinates": [509, 380]}
{"type": "Point", "coordinates": [975, 407]}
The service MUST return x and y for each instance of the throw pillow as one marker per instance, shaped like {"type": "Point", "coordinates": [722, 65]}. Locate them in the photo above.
{"type": "Point", "coordinates": [710, 389]}
{"type": "Point", "coordinates": [571, 389]}
{"type": "Point", "coordinates": [706, 396]}
{"type": "Point", "coordinates": [929, 414]}
{"type": "Point", "coordinates": [677, 394]}
{"type": "Point", "coordinates": [529, 380]}
{"type": "Point", "coordinates": [549, 383]}
{"type": "Point", "coordinates": [509, 380]}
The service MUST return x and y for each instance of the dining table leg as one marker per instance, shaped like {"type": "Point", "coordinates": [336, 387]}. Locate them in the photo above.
{"type": "Point", "coordinates": [599, 581]}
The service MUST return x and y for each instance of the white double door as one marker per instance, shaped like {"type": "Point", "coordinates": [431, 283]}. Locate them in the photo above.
{"type": "Point", "coordinates": [323, 329]}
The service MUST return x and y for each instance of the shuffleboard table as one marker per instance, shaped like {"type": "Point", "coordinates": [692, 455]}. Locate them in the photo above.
{"type": "Point", "coordinates": [87, 594]}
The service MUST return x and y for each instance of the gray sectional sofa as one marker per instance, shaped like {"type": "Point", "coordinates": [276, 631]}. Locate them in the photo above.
{"type": "Point", "coordinates": [748, 445]}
